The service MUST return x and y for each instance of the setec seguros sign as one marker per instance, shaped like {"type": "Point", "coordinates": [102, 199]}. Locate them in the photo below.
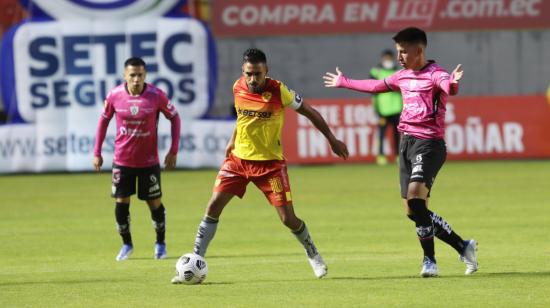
{"type": "Point", "coordinates": [58, 67]}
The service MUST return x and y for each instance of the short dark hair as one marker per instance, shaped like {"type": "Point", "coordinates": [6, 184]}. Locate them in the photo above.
{"type": "Point", "coordinates": [411, 35]}
{"type": "Point", "coordinates": [387, 52]}
{"type": "Point", "coordinates": [134, 61]}
{"type": "Point", "coordinates": [254, 56]}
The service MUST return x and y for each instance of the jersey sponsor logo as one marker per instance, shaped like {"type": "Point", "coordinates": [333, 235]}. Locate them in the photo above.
{"type": "Point", "coordinates": [266, 96]}
{"type": "Point", "coordinates": [417, 169]}
{"type": "Point", "coordinates": [154, 188]}
{"type": "Point", "coordinates": [276, 185]}
{"type": "Point", "coordinates": [253, 113]}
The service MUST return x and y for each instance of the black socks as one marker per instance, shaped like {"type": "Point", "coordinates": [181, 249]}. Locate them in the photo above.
{"type": "Point", "coordinates": [158, 216]}
{"type": "Point", "coordinates": [122, 215]}
{"type": "Point", "coordinates": [424, 226]}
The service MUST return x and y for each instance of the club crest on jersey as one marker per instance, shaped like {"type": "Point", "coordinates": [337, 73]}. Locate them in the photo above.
{"type": "Point", "coordinates": [134, 110]}
{"type": "Point", "coordinates": [266, 96]}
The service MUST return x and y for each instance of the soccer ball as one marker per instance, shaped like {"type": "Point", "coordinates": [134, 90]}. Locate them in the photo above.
{"type": "Point", "coordinates": [191, 269]}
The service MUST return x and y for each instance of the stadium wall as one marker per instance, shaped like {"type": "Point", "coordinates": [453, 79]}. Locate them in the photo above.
{"type": "Point", "coordinates": [495, 62]}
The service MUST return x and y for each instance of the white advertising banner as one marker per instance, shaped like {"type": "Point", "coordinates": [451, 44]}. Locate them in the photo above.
{"type": "Point", "coordinates": [60, 63]}
{"type": "Point", "coordinates": [51, 147]}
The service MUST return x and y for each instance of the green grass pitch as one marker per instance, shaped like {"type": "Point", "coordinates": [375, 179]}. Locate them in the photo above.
{"type": "Point", "coordinates": [58, 241]}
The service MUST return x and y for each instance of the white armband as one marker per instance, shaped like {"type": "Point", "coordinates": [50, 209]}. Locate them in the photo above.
{"type": "Point", "coordinates": [297, 102]}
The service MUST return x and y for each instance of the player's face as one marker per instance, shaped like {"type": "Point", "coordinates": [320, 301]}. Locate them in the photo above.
{"type": "Point", "coordinates": [254, 75]}
{"type": "Point", "coordinates": [408, 55]}
{"type": "Point", "coordinates": [135, 78]}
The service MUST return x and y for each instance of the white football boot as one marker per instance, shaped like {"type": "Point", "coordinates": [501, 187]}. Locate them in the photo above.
{"type": "Point", "coordinates": [469, 257]}
{"type": "Point", "coordinates": [429, 268]}
{"type": "Point", "coordinates": [176, 280]}
{"type": "Point", "coordinates": [319, 267]}
{"type": "Point", "coordinates": [125, 252]}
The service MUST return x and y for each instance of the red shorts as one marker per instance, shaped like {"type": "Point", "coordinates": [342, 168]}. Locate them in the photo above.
{"type": "Point", "coordinates": [270, 176]}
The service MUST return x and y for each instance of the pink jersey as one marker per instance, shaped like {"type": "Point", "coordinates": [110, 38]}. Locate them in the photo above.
{"type": "Point", "coordinates": [136, 125]}
{"type": "Point", "coordinates": [424, 97]}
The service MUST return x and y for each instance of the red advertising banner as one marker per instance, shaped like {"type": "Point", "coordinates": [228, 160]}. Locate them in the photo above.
{"type": "Point", "coordinates": [280, 17]}
{"type": "Point", "coordinates": [511, 127]}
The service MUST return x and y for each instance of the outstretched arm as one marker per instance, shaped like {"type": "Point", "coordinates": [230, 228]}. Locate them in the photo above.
{"type": "Point", "coordinates": [338, 80]}
{"type": "Point", "coordinates": [450, 85]}
{"type": "Point", "coordinates": [338, 147]}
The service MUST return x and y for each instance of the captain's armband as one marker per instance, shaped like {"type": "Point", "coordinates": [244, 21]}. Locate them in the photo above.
{"type": "Point", "coordinates": [296, 102]}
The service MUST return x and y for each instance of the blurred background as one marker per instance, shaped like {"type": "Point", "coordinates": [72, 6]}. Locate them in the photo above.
{"type": "Point", "coordinates": [59, 58]}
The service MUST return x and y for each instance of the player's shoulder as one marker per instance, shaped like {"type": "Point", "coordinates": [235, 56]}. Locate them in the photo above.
{"type": "Point", "coordinates": [276, 85]}
{"type": "Point", "coordinates": [152, 89]}
{"type": "Point", "coordinates": [116, 93]}
{"type": "Point", "coordinates": [433, 67]}
{"type": "Point", "coordinates": [239, 84]}
{"type": "Point", "coordinates": [121, 88]}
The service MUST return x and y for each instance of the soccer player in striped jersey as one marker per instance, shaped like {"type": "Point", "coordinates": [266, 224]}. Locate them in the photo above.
{"type": "Point", "coordinates": [424, 86]}
{"type": "Point", "coordinates": [254, 154]}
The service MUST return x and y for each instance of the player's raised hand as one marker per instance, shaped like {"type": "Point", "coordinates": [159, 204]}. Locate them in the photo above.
{"type": "Point", "coordinates": [170, 161]}
{"type": "Point", "coordinates": [339, 148]}
{"type": "Point", "coordinates": [98, 162]}
{"type": "Point", "coordinates": [331, 80]}
{"type": "Point", "coordinates": [457, 74]}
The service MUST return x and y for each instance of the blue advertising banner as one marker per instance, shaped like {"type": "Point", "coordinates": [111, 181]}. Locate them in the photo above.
{"type": "Point", "coordinates": [58, 66]}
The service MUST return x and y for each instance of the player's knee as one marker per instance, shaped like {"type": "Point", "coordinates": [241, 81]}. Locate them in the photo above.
{"type": "Point", "coordinates": [417, 190]}
{"type": "Point", "coordinates": [154, 204]}
{"type": "Point", "coordinates": [291, 221]}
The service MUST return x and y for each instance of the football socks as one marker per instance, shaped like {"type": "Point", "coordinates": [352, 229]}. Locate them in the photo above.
{"type": "Point", "coordinates": [445, 232]}
{"type": "Point", "coordinates": [122, 215]}
{"type": "Point", "coordinates": [424, 226]}
{"type": "Point", "coordinates": [158, 216]}
{"type": "Point", "coordinates": [302, 234]}
{"type": "Point", "coordinates": [205, 233]}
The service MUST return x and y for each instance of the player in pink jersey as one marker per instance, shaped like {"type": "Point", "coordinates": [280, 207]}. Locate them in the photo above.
{"type": "Point", "coordinates": [425, 87]}
{"type": "Point", "coordinates": [136, 106]}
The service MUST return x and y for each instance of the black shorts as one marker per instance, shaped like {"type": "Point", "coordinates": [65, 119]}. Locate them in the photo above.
{"type": "Point", "coordinates": [124, 182]}
{"type": "Point", "coordinates": [419, 161]}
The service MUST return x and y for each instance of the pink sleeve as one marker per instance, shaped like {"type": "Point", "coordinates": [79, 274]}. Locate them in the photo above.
{"type": "Point", "coordinates": [106, 116]}
{"type": "Point", "coordinates": [166, 107]}
{"type": "Point", "coordinates": [100, 134]}
{"type": "Point", "coordinates": [367, 85]}
{"type": "Point", "coordinates": [175, 130]}
{"type": "Point", "coordinates": [443, 81]}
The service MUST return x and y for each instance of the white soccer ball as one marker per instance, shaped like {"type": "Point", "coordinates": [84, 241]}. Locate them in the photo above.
{"type": "Point", "coordinates": [191, 268]}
